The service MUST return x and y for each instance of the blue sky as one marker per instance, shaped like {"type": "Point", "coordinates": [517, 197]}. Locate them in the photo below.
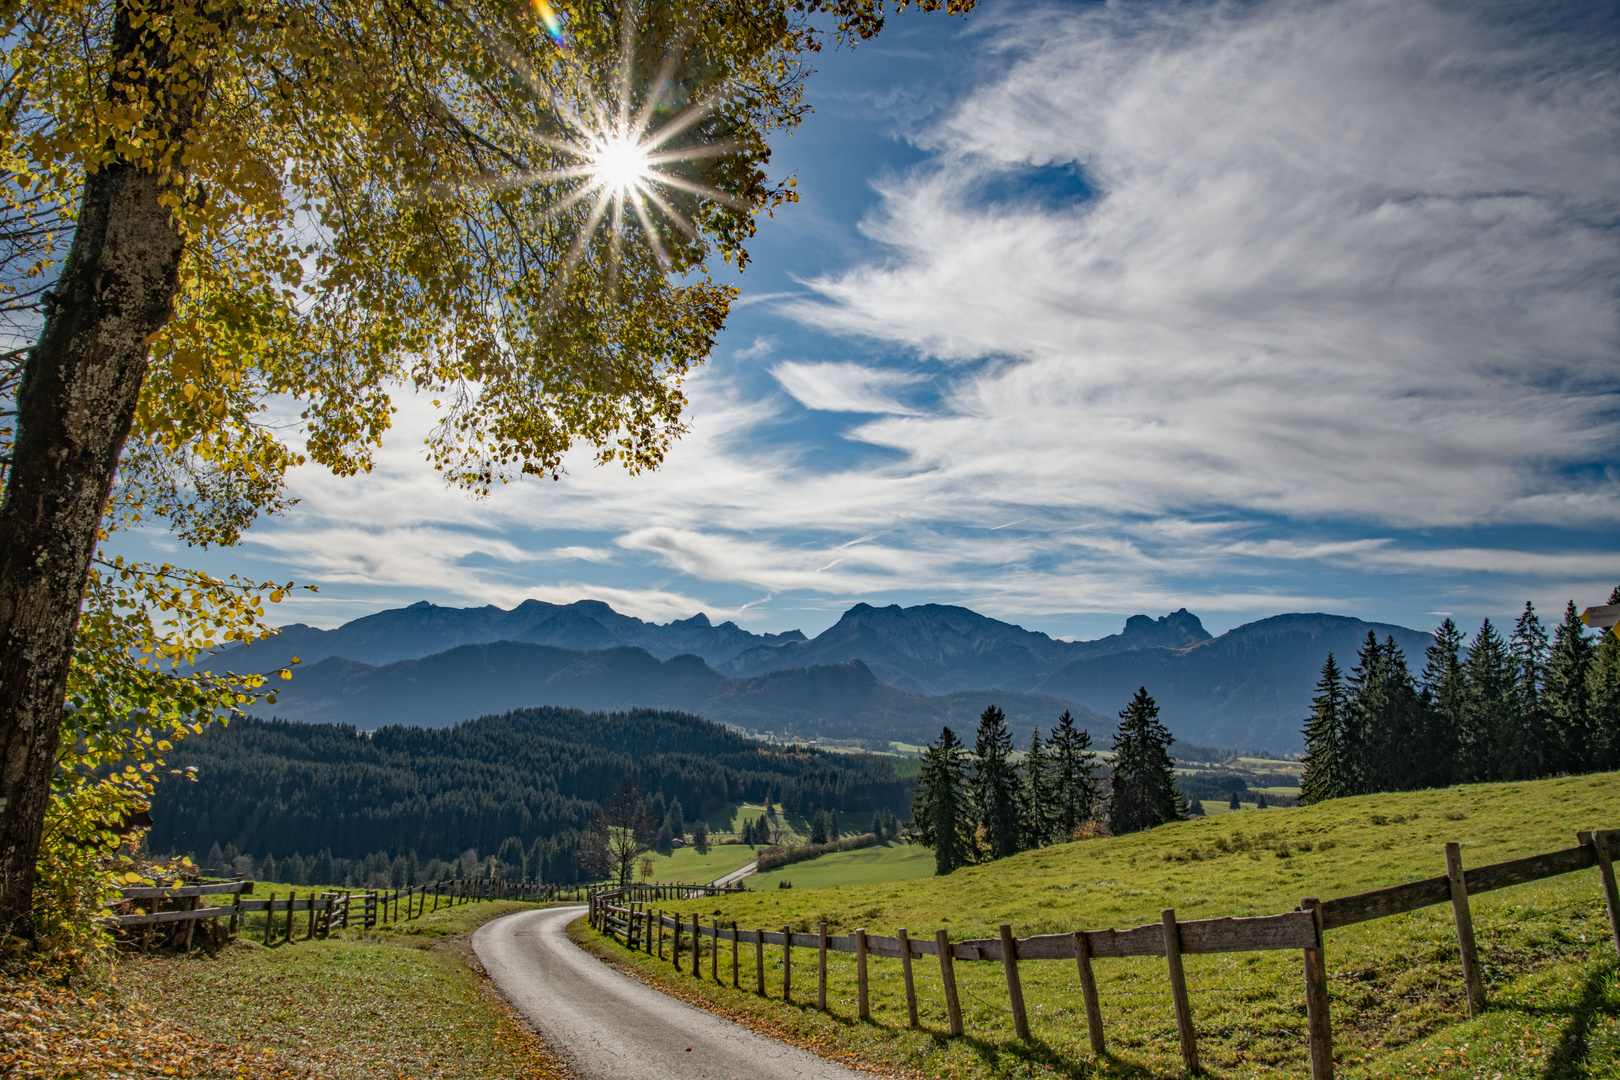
{"type": "Point", "coordinates": [1090, 310]}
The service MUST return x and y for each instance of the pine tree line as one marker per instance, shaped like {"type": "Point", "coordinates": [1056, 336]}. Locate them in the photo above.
{"type": "Point", "coordinates": [1494, 709]}
{"type": "Point", "coordinates": [979, 806]}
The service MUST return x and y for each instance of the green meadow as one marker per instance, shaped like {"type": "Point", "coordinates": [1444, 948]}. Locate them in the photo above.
{"type": "Point", "coordinates": [1395, 985]}
{"type": "Point", "coordinates": [894, 861]}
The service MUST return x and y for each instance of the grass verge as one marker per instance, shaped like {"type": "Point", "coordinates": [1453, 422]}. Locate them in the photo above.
{"type": "Point", "coordinates": [389, 1003]}
{"type": "Point", "coordinates": [1396, 989]}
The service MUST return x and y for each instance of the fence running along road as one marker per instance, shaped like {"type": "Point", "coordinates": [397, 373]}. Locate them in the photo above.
{"type": "Point", "coordinates": [622, 915]}
{"type": "Point", "coordinates": [327, 910]}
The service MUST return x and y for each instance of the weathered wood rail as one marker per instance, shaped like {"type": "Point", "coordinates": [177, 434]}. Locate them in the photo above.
{"type": "Point", "coordinates": [625, 916]}
{"type": "Point", "coordinates": [326, 910]}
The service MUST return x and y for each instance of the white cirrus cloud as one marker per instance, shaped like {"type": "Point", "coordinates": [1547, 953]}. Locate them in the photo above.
{"type": "Point", "coordinates": [845, 387]}
{"type": "Point", "coordinates": [1350, 260]}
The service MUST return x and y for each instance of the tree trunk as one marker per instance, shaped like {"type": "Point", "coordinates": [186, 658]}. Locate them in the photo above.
{"type": "Point", "coordinates": [75, 406]}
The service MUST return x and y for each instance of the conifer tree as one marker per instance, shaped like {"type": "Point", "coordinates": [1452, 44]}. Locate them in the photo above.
{"type": "Point", "coordinates": [1144, 780]}
{"type": "Point", "coordinates": [1359, 719]}
{"type": "Point", "coordinates": [1525, 745]}
{"type": "Point", "coordinates": [939, 817]}
{"type": "Point", "coordinates": [1196, 807]}
{"type": "Point", "coordinates": [1039, 824]}
{"type": "Point", "coordinates": [1564, 695]}
{"type": "Point", "coordinates": [1236, 803]}
{"type": "Point", "coordinates": [1074, 767]}
{"type": "Point", "coordinates": [994, 784]}
{"type": "Point", "coordinates": [1260, 801]}
{"type": "Point", "coordinates": [1383, 721]}
{"type": "Point", "coordinates": [1444, 688]}
{"type": "Point", "coordinates": [1489, 716]}
{"type": "Point", "coordinates": [1603, 697]}
{"type": "Point", "coordinates": [1324, 739]}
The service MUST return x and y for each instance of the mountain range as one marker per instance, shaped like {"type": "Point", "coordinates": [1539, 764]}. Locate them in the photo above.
{"type": "Point", "coordinates": [879, 673]}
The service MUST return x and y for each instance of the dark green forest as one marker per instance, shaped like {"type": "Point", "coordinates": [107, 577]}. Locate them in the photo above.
{"type": "Point", "coordinates": [1514, 707]}
{"type": "Point", "coordinates": [279, 788]}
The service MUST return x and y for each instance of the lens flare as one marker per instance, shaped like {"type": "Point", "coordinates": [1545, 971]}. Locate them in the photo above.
{"type": "Point", "coordinates": [548, 17]}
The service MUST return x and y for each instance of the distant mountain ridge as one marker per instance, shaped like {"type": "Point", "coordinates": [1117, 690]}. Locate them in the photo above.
{"type": "Point", "coordinates": [1249, 688]}
{"type": "Point", "coordinates": [840, 701]}
{"type": "Point", "coordinates": [423, 629]}
{"type": "Point", "coordinates": [879, 672]}
{"type": "Point", "coordinates": [936, 649]}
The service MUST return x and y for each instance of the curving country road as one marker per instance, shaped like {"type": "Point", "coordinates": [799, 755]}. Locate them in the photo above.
{"type": "Point", "coordinates": [610, 1026]}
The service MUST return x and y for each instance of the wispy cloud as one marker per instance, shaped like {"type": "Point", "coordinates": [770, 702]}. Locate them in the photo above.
{"type": "Point", "coordinates": [846, 387]}
{"type": "Point", "coordinates": [1334, 299]}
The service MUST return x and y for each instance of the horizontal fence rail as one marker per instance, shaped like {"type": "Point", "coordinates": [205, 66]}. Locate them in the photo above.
{"type": "Point", "coordinates": [324, 910]}
{"type": "Point", "coordinates": [622, 913]}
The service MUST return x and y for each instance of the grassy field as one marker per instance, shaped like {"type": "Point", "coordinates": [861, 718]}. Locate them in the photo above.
{"type": "Point", "coordinates": [685, 864]}
{"type": "Point", "coordinates": [383, 1004]}
{"type": "Point", "coordinates": [893, 861]}
{"type": "Point", "coordinates": [1396, 988]}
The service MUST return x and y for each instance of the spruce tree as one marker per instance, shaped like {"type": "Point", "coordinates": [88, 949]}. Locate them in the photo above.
{"type": "Point", "coordinates": [1564, 695]}
{"type": "Point", "coordinates": [1196, 807]}
{"type": "Point", "coordinates": [1144, 780]}
{"type": "Point", "coordinates": [1443, 688]}
{"type": "Point", "coordinates": [1236, 803]}
{"type": "Point", "coordinates": [1603, 698]}
{"type": "Point", "coordinates": [994, 784]}
{"type": "Point", "coordinates": [1260, 801]}
{"type": "Point", "coordinates": [1490, 718]}
{"type": "Point", "coordinates": [1525, 744]}
{"type": "Point", "coordinates": [1360, 718]}
{"type": "Point", "coordinates": [1324, 739]}
{"type": "Point", "coordinates": [1383, 721]}
{"type": "Point", "coordinates": [1074, 776]}
{"type": "Point", "coordinates": [1039, 817]}
{"type": "Point", "coordinates": [939, 816]}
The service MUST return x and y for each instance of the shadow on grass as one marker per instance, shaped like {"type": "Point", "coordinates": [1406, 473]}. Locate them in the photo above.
{"type": "Point", "coordinates": [1568, 1060]}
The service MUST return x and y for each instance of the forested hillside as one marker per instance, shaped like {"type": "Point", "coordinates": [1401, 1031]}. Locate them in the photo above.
{"type": "Point", "coordinates": [282, 788]}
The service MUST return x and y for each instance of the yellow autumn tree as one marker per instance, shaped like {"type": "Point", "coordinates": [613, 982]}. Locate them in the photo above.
{"type": "Point", "coordinates": [507, 207]}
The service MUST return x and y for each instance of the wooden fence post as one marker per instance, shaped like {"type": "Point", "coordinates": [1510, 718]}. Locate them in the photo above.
{"type": "Point", "coordinates": [787, 963]}
{"type": "Point", "coordinates": [947, 975]}
{"type": "Point", "coordinates": [1015, 988]}
{"type": "Point", "coordinates": [660, 933]}
{"type": "Point", "coordinates": [1465, 930]}
{"type": "Point", "coordinates": [675, 949]}
{"type": "Point", "coordinates": [1605, 861]}
{"type": "Point", "coordinates": [1178, 990]}
{"type": "Point", "coordinates": [1088, 990]}
{"type": "Point", "coordinates": [759, 962]}
{"type": "Point", "coordinates": [905, 972]}
{"type": "Point", "coordinates": [269, 917]}
{"type": "Point", "coordinates": [697, 948]}
{"type": "Point", "coordinates": [311, 935]}
{"type": "Point", "coordinates": [821, 972]}
{"type": "Point", "coordinates": [292, 904]}
{"type": "Point", "coordinates": [714, 957]}
{"type": "Point", "coordinates": [736, 982]}
{"type": "Point", "coordinates": [860, 973]}
{"type": "Point", "coordinates": [1316, 998]}
{"type": "Point", "coordinates": [191, 924]}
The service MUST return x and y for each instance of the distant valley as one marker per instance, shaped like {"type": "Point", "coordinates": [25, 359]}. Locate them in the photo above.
{"type": "Point", "coordinates": [879, 673]}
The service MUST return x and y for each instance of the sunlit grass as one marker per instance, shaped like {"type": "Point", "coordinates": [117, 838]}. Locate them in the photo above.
{"type": "Point", "coordinates": [1395, 984]}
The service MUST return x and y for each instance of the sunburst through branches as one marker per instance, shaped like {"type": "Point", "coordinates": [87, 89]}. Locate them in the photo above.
{"type": "Point", "coordinates": [622, 151]}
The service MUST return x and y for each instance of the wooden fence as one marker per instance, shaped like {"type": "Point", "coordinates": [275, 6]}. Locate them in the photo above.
{"type": "Point", "coordinates": [327, 910]}
{"type": "Point", "coordinates": [613, 913]}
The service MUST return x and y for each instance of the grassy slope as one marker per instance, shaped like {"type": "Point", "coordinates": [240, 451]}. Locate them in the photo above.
{"type": "Point", "coordinates": [685, 864]}
{"type": "Point", "coordinates": [863, 866]}
{"type": "Point", "coordinates": [1396, 988]}
{"type": "Point", "coordinates": [378, 1004]}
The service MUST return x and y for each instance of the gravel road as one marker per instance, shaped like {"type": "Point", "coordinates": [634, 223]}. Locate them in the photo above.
{"type": "Point", "coordinates": [610, 1026]}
